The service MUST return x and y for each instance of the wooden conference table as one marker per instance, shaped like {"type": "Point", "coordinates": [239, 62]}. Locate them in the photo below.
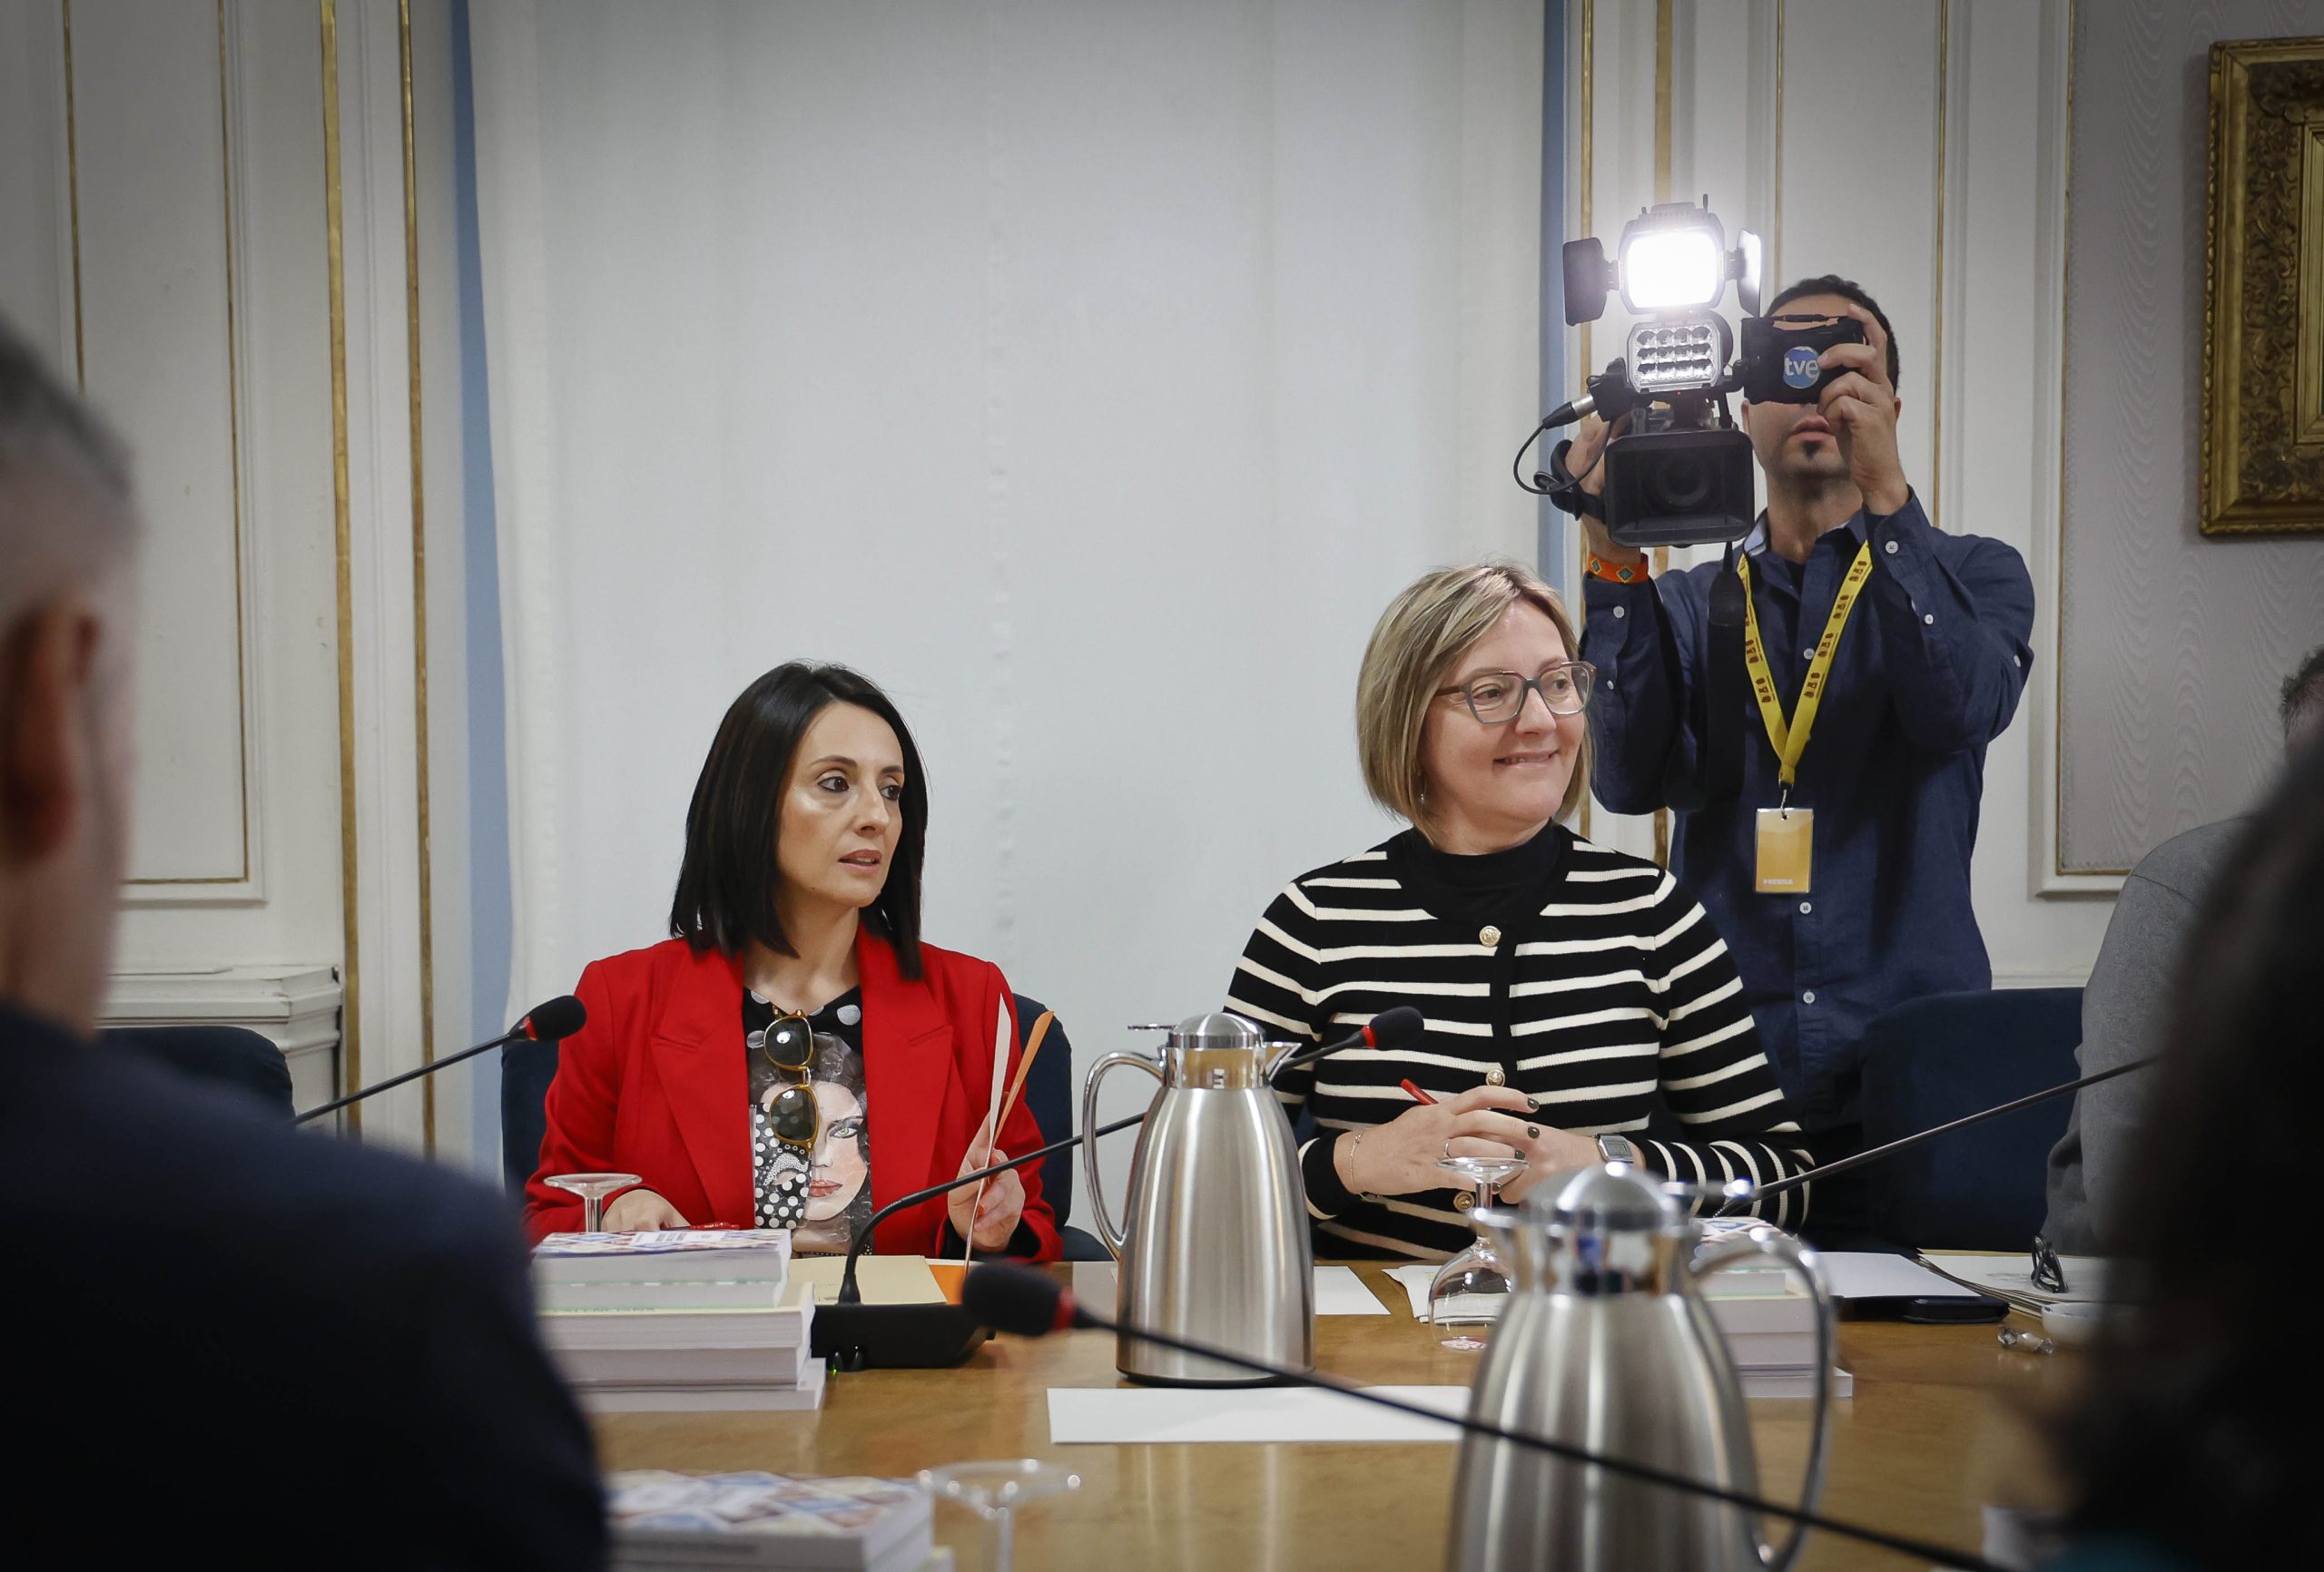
{"type": "Point", "coordinates": [1934, 1433]}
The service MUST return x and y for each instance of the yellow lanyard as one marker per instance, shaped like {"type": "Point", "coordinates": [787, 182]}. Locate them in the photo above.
{"type": "Point", "coordinates": [1791, 741]}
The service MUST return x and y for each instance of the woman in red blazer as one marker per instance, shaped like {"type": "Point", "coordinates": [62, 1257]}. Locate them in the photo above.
{"type": "Point", "coordinates": [794, 1038]}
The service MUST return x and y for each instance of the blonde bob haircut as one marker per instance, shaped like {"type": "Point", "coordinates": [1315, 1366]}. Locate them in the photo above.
{"type": "Point", "coordinates": [1413, 649]}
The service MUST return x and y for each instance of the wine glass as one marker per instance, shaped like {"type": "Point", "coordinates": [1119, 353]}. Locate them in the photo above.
{"type": "Point", "coordinates": [1469, 1289]}
{"type": "Point", "coordinates": [994, 1491]}
{"type": "Point", "coordinates": [592, 1189]}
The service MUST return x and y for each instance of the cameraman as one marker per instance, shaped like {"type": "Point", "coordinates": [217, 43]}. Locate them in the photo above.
{"type": "Point", "coordinates": [1928, 656]}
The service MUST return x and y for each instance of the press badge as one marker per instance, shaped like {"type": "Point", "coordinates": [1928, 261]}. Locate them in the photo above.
{"type": "Point", "coordinates": [1786, 835]}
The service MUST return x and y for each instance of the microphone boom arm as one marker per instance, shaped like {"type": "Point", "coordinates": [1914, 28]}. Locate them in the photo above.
{"type": "Point", "coordinates": [1904, 1143]}
{"type": "Point", "coordinates": [391, 1084]}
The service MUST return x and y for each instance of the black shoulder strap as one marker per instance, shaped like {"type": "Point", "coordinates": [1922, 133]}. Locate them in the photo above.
{"type": "Point", "coordinates": [1727, 689]}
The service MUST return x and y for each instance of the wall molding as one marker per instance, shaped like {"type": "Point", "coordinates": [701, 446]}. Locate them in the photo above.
{"type": "Point", "coordinates": [251, 648]}
{"type": "Point", "coordinates": [2046, 871]}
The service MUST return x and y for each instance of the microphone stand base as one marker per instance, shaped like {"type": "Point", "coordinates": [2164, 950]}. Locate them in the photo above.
{"type": "Point", "coordinates": [1155, 1381]}
{"type": "Point", "coordinates": [859, 1337]}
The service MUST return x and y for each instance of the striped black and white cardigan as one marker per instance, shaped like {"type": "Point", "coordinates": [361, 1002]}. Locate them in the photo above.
{"type": "Point", "coordinates": [1601, 992]}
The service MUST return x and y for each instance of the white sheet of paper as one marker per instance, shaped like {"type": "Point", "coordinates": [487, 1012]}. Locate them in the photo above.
{"type": "Point", "coordinates": [1340, 1291]}
{"type": "Point", "coordinates": [1109, 1416]}
{"type": "Point", "coordinates": [1875, 1274]}
{"type": "Point", "coordinates": [1415, 1278]}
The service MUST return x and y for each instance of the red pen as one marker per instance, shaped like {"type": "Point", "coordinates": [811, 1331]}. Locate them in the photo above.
{"type": "Point", "coordinates": [1415, 1094]}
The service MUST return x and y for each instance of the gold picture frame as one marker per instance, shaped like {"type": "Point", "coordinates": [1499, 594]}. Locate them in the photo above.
{"type": "Point", "coordinates": [2262, 466]}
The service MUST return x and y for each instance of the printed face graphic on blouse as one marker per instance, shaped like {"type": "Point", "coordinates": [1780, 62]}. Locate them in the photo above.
{"type": "Point", "coordinates": [840, 1163]}
{"type": "Point", "coordinates": [811, 1145]}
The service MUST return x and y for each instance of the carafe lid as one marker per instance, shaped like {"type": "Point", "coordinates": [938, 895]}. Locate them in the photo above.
{"type": "Point", "coordinates": [1612, 1198]}
{"type": "Point", "coordinates": [1218, 1030]}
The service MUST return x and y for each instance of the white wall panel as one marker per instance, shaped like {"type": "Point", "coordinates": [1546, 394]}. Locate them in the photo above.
{"type": "Point", "coordinates": [150, 219]}
{"type": "Point", "coordinates": [2174, 644]}
{"type": "Point", "coordinates": [1089, 374]}
{"type": "Point", "coordinates": [36, 243]}
{"type": "Point", "coordinates": [189, 135]}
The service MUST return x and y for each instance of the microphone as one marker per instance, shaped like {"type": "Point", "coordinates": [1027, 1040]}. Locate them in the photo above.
{"type": "Point", "coordinates": [1029, 1304]}
{"type": "Point", "coordinates": [1611, 395]}
{"type": "Point", "coordinates": [1397, 1028]}
{"type": "Point", "coordinates": [1742, 1190]}
{"type": "Point", "coordinates": [558, 1018]}
{"type": "Point", "coordinates": [855, 1336]}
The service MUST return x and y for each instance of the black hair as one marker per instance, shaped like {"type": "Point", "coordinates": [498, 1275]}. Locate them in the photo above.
{"type": "Point", "coordinates": [1847, 289]}
{"type": "Point", "coordinates": [2304, 688]}
{"type": "Point", "coordinates": [728, 883]}
{"type": "Point", "coordinates": [2189, 1432]}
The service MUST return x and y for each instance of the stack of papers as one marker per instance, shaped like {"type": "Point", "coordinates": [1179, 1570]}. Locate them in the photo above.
{"type": "Point", "coordinates": [2010, 1278]}
{"type": "Point", "coordinates": [691, 1320]}
{"type": "Point", "coordinates": [668, 1521]}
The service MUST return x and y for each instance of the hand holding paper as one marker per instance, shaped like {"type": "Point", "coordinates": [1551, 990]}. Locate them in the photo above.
{"type": "Point", "coordinates": [987, 1215]}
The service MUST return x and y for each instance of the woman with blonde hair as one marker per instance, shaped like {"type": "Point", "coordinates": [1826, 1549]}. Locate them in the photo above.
{"type": "Point", "coordinates": [1569, 990]}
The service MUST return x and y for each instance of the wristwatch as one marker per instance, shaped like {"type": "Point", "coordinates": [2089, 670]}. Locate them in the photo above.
{"type": "Point", "coordinates": [1617, 1149]}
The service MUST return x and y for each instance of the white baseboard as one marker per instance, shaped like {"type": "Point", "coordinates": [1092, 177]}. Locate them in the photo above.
{"type": "Point", "coordinates": [2041, 980]}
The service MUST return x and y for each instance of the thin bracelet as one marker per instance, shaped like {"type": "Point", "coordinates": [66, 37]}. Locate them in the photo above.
{"type": "Point", "coordinates": [1352, 1145]}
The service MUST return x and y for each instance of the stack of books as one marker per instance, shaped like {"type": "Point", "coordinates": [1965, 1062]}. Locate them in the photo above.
{"type": "Point", "coordinates": [687, 1319]}
{"type": "Point", "coordinates": [665, 1522]}
{"type": "Point", "coordinates": [1768, 1321]}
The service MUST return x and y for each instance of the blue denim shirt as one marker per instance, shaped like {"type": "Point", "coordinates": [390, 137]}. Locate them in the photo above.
{"type": "Point", "coordinates": [1927, 673]}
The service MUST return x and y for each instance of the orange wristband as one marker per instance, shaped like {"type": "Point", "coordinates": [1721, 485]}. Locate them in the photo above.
{"type": "Point", "coordinates": [1624, 572]}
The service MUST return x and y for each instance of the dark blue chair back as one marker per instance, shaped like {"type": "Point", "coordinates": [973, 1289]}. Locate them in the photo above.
{"type": "Point", "coordinates": [233, 1056]}
{"type": "Point", "coordinates": [1048, 1094]}
{"type": "Point", "coordinates": [1934, 1060]}
{"type": "Point", "coordinates": [526, 1070]}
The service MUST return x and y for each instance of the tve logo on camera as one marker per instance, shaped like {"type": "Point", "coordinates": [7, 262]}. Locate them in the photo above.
{"type": "Point", "coordinates": [1801, 367]}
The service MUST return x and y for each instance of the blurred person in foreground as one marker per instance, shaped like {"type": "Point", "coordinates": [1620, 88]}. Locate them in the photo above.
{"type": "Point", "coordinates": [284, 1348]}
{"type": "Point", "coordinates": [2189, 1445]}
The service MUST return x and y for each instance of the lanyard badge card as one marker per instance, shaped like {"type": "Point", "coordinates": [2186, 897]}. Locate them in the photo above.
{"type": "Point", "coordinates": [1787, 843]}
{"type": "Point", "coordinates": [1786, 838]}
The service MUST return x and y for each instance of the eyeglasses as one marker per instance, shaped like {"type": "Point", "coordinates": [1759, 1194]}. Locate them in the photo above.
{"type": "Point", "coordinates": [794, 1116]}
{"type": "Point", "coordinates": [1496, 697]}
{"type": "Point", "coordinates": [2048, 1275]}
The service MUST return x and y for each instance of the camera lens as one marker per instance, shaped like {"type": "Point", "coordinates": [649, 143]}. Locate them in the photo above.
{"type": "Point", "coordinates": [1678, 483]}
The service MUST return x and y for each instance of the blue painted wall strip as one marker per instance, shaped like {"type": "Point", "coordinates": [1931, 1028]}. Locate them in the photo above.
{"type": "Point", "coordinates": [1555, 542]}
{"type": "Point", "coordinates": [491, 909]}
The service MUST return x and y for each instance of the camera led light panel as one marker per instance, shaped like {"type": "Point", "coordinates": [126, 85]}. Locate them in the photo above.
{"type": "Point", "coordinates": [1678, 355]}
{"type": "Point", "coordinates": [1670, 268]}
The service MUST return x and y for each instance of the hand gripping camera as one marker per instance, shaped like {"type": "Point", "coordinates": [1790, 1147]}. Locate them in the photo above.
{"type": "Point", "coordinates": [1681, 474]}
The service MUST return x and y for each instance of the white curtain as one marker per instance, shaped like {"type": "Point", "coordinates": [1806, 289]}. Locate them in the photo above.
{"type": "Point", "coordinates": [1089, 374]}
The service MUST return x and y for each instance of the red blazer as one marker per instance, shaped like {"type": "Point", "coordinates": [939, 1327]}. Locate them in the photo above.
{"type": "Point", "coordinates": [657, 1085]}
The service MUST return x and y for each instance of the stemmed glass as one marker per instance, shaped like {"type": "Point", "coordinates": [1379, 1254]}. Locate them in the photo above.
{"type": "Point", "coordinates": [994, 1491]}
{"type": "Point", "coordinates": [1469, 1289]}
{"type": "Point", "coordinates": [592, 1189]}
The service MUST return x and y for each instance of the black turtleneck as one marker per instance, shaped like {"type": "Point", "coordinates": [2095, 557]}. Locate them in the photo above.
{"type": "Point", "coordinates": [1484, 886]}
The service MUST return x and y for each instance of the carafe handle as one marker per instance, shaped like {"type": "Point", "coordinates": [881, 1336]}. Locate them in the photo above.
{"type": "Point", "coordinates": [1800, 1260]}
{"type": "Point", "coordinates": [1114, 1237]}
